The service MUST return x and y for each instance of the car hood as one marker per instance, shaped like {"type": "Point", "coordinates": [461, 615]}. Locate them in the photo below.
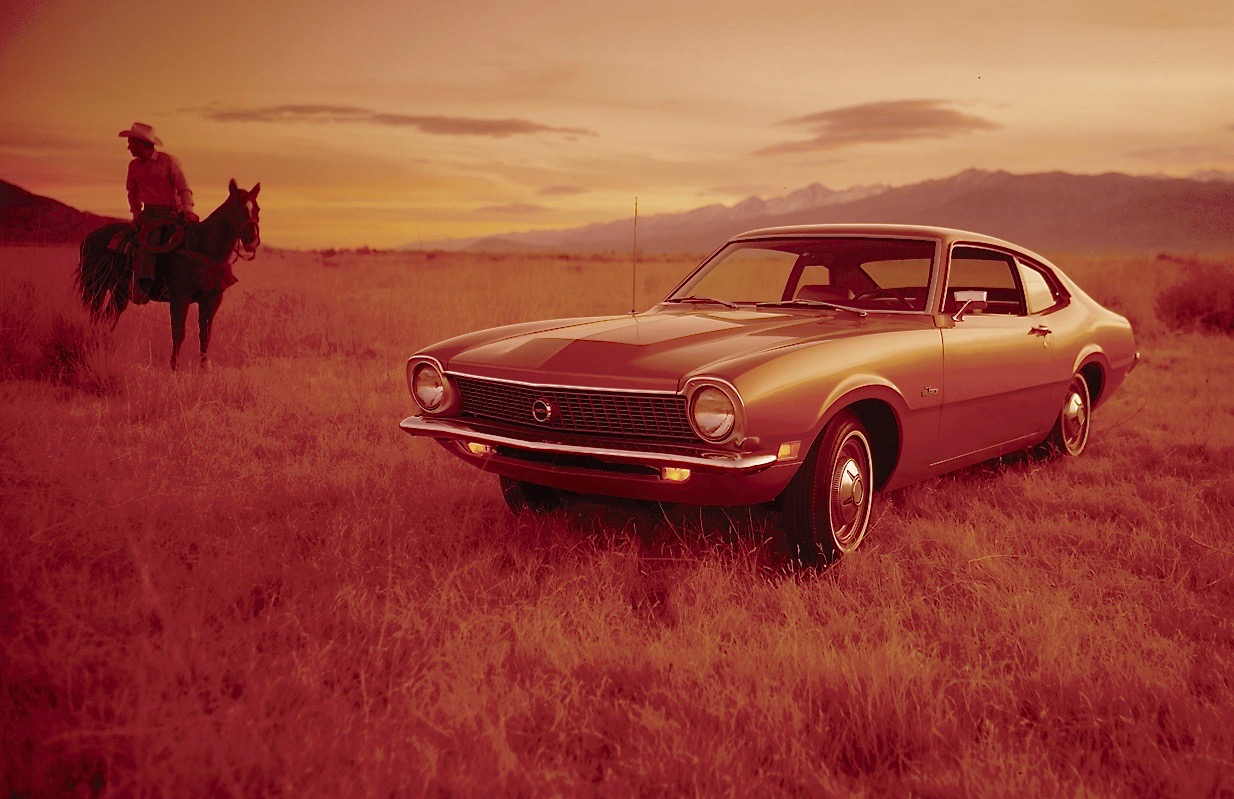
{"type": "Point", "coordinates": [652, 351]}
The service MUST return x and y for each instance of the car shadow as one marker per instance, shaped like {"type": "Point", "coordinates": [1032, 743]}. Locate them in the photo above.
{"type": "Point", "coordinates": [748, 533]}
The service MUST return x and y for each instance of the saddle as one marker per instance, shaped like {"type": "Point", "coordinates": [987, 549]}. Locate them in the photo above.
{"type": "Point", "coordinates": [158, 235]}
{"type": "Point", "coordinates": [124, 242]}
{"type": "Point", "coordinates": [154, 235]}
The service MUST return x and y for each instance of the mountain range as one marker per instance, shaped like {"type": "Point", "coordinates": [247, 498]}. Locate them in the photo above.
{"type": "Point", "coordinates": [27, 218]}
{"type": "Point", "coordinates": [1047, 211]}
{"type": "Point", "coordinates": [1043, 211]}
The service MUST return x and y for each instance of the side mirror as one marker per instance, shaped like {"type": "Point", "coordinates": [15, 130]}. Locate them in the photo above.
{"type": "Point", "coordinates": [969, 301]}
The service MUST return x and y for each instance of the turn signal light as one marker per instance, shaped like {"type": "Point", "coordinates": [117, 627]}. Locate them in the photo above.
{"type": "Point", "coordinates": [789, 451]}
{"type": "Point", "coordinates": [480, 449]}
{"type": "Point", "coordinates": [674, 474]}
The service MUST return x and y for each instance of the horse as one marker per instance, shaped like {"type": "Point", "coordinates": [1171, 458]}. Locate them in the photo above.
{"type": "Point", "coordinates": [192, 273]}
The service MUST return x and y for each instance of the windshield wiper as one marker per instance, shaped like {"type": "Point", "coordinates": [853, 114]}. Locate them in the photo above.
{"type": "Point", "coordinates": [693, 299]}
{"type": "Point", "coordinates": [809, 304]}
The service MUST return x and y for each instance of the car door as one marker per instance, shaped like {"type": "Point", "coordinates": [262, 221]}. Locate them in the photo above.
{"type": "Point", "coordinates": [998, 366]}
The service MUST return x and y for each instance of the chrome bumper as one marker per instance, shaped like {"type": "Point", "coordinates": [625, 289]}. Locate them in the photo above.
{"type": "Point", "coordinates": [727, 462]}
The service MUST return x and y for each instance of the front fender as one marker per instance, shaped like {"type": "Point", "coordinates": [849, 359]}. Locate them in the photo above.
{"type": "Point", "coordinates": [897, 383]}
{"type": "Point", "coordinates": [856, 388]}
{"type": "Point", "coordinates": [902, 439]}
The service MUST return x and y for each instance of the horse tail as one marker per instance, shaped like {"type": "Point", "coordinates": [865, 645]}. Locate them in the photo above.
{"type": "Point", "coordinates": [103, 275]}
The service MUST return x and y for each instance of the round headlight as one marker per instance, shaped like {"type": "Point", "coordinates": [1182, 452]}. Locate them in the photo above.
{"type": "Point", "coordinates": [713, 412]}
{"type": "Point", "coordinates": [428, 386]}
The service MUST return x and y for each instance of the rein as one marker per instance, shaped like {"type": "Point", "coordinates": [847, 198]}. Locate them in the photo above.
{"type": "Point", "coordinates": [239, 248]}
{"type": "Point", "coordinates": [239, 251]}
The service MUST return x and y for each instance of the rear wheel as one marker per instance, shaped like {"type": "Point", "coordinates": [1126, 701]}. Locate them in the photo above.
{"type": "Point", "coordinates": [1070, 433]}
{"type": "Point", "coordinates": [522, 496]}
{"type": "Point", "coordinates": [827, 504]}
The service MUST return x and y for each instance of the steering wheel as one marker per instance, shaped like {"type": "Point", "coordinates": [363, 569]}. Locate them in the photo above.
{"type": "Point", "coordinates": [884, 294]}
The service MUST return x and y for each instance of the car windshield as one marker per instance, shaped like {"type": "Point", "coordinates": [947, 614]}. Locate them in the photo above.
{"type": "Point", "coordinates": [863, 273]}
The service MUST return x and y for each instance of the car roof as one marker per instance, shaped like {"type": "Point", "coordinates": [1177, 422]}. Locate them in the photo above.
{"type": "Point", "coordinates": [947, 235]}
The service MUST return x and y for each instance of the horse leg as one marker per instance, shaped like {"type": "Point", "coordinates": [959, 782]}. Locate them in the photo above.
{"type": "Point", "coordinates": [179, 312]}
{"type": "Point", "coordinates": [206, 308]}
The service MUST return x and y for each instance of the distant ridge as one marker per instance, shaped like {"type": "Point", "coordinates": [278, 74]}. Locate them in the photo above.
{"type": "Point", "coordinates": [27, 218]}
{"type": "Point", "coordinates": [1043, 211]}
{"type": "Point", "coordinates": [1049, 211]}
{"type": "Point", "coordinates": [501, 245]}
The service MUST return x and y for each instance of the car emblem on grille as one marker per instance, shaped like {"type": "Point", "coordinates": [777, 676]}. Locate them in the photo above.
{"type": "Point", "coordinates": [543, 411]}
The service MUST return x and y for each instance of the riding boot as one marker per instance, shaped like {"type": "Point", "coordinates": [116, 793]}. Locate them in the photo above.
{"type": "Point", "coordinates": [143, 277]}
{"type": "Point", "coordinates": [229, 277]}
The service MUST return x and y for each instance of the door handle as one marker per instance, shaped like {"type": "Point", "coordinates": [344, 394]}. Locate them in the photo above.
{"type": "Point", "coordinates": [1040, 330]}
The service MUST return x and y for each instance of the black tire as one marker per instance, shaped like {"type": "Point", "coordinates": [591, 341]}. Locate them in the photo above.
{"type": "Point", "coordinates": [521, 496]}
{"type": "Point", "coordinates": [827, 505]}
{"type": "Point", "coordinates": [1071, 428]}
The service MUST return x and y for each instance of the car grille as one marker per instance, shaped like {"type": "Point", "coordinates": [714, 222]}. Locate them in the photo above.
{"type": "Point", "coordinates": [603, 413]}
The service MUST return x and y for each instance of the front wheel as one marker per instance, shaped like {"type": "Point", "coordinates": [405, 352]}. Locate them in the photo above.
{"type": "Point", "coordinates": [827, 504]}
{"type": "Point", "coordinates": [1071, 428]}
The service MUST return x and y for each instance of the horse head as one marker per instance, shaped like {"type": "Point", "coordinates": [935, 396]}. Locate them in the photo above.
{"type": "Point", "coordinates": [243, 215]}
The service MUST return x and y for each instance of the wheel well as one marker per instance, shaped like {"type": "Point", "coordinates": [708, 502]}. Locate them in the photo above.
{"type": "Point", "coordinates": [1094, 376]}
{"type": "Point", "coordinates": [880, 423]}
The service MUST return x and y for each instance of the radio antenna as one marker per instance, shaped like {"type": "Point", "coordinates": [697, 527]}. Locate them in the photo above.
{"type": "Point", "coordinates": [634, 262]}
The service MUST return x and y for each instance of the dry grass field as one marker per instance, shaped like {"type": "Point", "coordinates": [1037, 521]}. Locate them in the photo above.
{"type": "Point", "coordinates": [248, 582]}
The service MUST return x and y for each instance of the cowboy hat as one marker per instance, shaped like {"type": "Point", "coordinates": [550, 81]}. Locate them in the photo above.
{"type": "Point", "coordinates": [142, 132]}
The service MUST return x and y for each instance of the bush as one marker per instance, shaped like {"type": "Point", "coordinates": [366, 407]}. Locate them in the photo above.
{"type": "Point", "coordinates": [39, 341]}
{"type": "Point", "coordinates": [1203, 300]}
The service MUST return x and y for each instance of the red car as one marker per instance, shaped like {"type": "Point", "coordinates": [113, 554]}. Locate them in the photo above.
{"type": "Point", "coordinates": [814, 366]}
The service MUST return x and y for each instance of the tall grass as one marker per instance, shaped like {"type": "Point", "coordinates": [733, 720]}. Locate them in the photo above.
{"type": "Point", "coordinates": [249, 582]}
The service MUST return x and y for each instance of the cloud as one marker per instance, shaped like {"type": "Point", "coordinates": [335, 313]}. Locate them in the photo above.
{"type": "Point", "coordinates": [512, 209]}
{"type": "Point", "coordinates": [438, 125]}
{"type": "Point", "coordinates": [1185, 153]}
{"type": "Point", "coordinates": [891, 121]}
{"type": "Point", "coordinates": [561, 191]}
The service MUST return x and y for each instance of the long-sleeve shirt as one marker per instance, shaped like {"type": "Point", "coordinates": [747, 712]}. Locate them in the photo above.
{"type": "Point", "coordinates": [158, 181]}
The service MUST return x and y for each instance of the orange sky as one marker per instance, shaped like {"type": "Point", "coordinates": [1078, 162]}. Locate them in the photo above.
{"type": "Point", "coordinates": [392, 123]}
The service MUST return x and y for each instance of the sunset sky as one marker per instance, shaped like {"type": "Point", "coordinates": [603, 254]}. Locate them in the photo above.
{"type": "Point", "coordinates": [386, 122]}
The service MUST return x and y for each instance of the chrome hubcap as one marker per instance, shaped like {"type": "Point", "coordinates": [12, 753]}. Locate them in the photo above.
{"type": "Point", "coordinates": [850, 494]}
{"type": "Point", "coordinates": [1075, 420]}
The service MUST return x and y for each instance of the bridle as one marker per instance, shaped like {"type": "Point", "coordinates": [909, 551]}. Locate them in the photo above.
{"type": "Point", "coordinates": [238, 250]}
{"type": "Point", "coordinates": [241, 250]}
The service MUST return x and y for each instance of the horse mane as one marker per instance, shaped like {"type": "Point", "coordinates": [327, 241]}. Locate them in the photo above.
{"type": "Point", "coordinates": [215, 236]}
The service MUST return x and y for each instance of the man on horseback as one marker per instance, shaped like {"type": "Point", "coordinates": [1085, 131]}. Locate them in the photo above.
{"type": "Point", "coordinates": [160, 200]}
{"type": "Point", "coordinates": [195, 259]}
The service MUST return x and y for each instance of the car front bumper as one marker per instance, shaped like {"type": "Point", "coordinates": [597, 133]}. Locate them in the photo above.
{"type": "Point", "coordinates": [697, 477]}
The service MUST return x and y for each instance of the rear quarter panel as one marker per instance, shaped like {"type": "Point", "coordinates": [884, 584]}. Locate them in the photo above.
{"type": "Point", "coordinates": [1087, 333]}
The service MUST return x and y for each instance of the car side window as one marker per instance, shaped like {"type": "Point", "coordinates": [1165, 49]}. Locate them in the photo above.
{"type": "Point", "coordinates": [979, 269]}
{"type": "Point", "coordinates": [1039, 294]}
